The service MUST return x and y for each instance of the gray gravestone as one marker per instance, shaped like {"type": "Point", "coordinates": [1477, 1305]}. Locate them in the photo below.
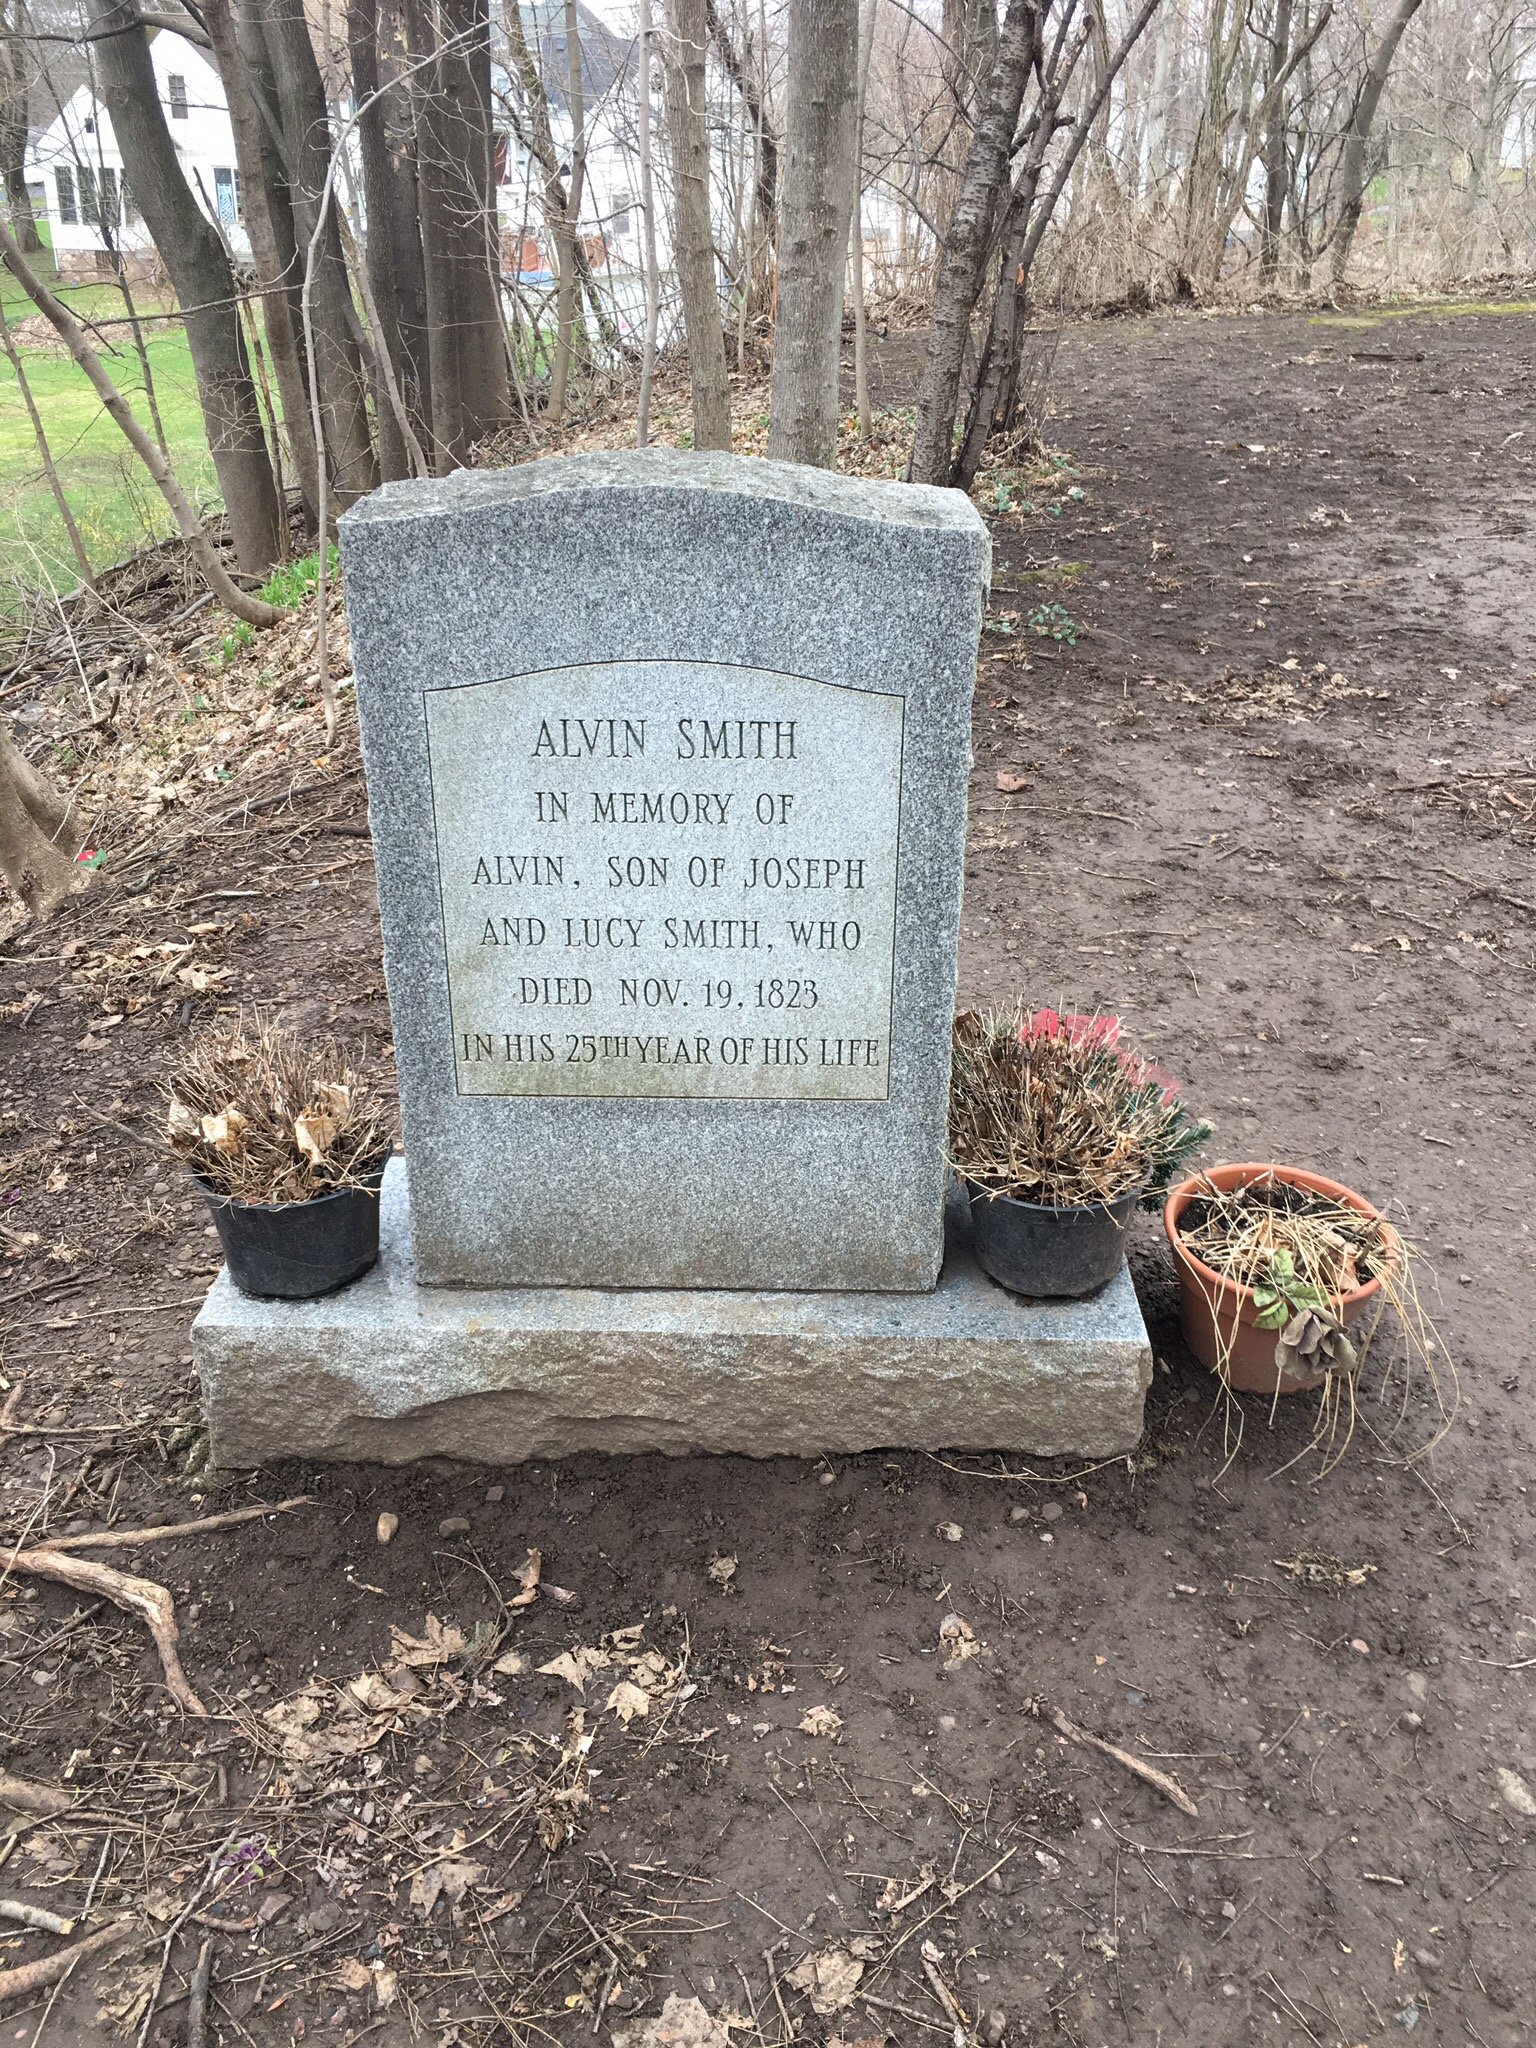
{"type": "Point", "coordinates": [667, 757]}
{"type": "Point", "coordinates": [667, 761]}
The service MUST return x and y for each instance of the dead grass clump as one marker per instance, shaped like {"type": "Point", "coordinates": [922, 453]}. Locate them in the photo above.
{"type": "Point", "coordinates": [1326, 1248]}
{"type": "Point", "coordinates": [1053, 1110]}
{"type": "Point", "coordinates": [264, 1118]}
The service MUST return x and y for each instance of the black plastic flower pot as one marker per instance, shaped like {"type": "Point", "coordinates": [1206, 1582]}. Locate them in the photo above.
{"type": "Point", "coordinates": [295, 1251]}
{"type": "Point", "coordinates": [1049, 1253]}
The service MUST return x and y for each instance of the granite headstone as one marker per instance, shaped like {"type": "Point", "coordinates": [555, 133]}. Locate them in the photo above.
{"type": "Point", "coordinates": [667, 758]}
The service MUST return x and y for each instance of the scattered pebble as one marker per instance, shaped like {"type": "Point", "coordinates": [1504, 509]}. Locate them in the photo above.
{"type": "Point", "coordinates": [825, 1478]}
{"type": "Point", "coordinates": [1051, 1865]}
{"type": "Point", "coordinates": [1516, 1793]}
{"type": "Point", "coordinates": [1426, 1959]}
{"type": "Point", "coordinates": [1412, 1720]}
{"type": "Point", "coordinates": [1360, 1646]}
{"type": "Point", "coordinates": [494, 1495]}
{"type": "Point", "coordinates": [453, 1525]}
{"type": "Point", "coordinates": [1018, 1514]}
{"type": "Point", "coordinates": [950, 1531]}
{"type": "Point", "coordinates": [947, 1722]}
{"type": "Point", "coordinates": [994, 2027]}
{"type": "Point", "coordinates": [1228, 1910]}
{"type": "Point", "coordinates": [386, 1526]}
{"type": "Point", "coordinates": [1418, 1685]}
{"type": "Point", "coordinates": [1051, 1512]}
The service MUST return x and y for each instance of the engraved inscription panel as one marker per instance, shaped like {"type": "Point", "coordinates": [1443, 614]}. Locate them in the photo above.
{"type": "Point", "coordinates": [668, 879]}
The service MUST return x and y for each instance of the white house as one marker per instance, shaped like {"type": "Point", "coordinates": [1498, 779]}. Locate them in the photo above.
{"type": "Point", "coordinates": [74, 170]}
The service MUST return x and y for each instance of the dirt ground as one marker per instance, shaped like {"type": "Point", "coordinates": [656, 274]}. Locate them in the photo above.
{"type": "Point", "coordinates": [1275, 804]}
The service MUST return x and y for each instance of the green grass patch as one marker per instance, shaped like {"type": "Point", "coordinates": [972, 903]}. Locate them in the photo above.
{"type": "Point", "coordinates": [294, 581]}
{"type": "Point", "coordinates": [1448, 309]}
{"type": "Point", "coordinates": [115, 505]}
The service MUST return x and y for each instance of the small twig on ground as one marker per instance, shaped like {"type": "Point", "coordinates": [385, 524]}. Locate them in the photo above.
{"type": "Point", "coordinates": [946, 1998]}
{"type": "Point", "coordinates": [1160, 1781]}
{"type": "Point", "coordinates": [143, 1597]}
{"type": "Point", "coordinates": [29, 1977]}
{"type": "Point", "coordinates": [773, 1982]}
{"type": "Point", "coordinates": [133, 1539]}
{"type": "Point", "coordinates": [35, 1916]}
{"type": "Point", "coordinates": [918, 2019]}
{"type": "Point", "coordinates": [197, 1998]}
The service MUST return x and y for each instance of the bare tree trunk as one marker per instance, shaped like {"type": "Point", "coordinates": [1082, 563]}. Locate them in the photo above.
{"type": "Point", "coordinates": [14, 120]}
{"type": "Point", "coordinates": [994, 403]}
{"type": "Point", "coordinates": [1274, 155]}
{"type": "Point", "coordinates": [814, 211]}
{"type": "Point", "coordinates": [392, 254]}
{"type": "Point", "coordinates": [466, 336]}
{"type": "Point", "coordinates": [487, 387]}
{"type": "Point", "coordinates": [966, 243]}
{"type": "Point", "coordinates": [1353, 177]}
{"type": "Point", "coordinates": [856, 234]}
{"type": "Point", "coordinates": [45, 453]}
{"type": "Point", "coordinates": [744, 69]}
{"type": "Point", "coordinates": [191, 528]}
{"type": "Point", "coordinates": [33, 816]}
{"type": "Point", "coordinates": [304, 123]}
{"type": "Point", "coordinates": [648, 231]}
{"type": "Point", "coordinates": [693, 242]}
{"type": "Point", "coordinates": [568, 288]}
{"type": "Point", "coordinates": [205, 285]}
{"type": "Point", "coordinates": [240, 52]}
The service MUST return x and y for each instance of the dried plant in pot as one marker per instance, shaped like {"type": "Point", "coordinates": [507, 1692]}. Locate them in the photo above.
{"type": "Point", "coordinates": [1057, 1132]}
{"type": "Point", "coordinates": [288, 1142]}
{"type": "Point", "coordinates": [1277, 1266]}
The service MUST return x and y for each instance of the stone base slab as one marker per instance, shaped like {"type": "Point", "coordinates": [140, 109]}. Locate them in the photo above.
{"type": "Point", "coordinates": [388, 1370]}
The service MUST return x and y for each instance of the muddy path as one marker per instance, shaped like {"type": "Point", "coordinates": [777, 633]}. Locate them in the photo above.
{"type": "Point", "coordinates": [1270, 796]}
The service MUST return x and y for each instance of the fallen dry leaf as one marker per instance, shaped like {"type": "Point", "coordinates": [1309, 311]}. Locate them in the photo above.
{"type": "Point", "coordinates": [681, 2023]}
{"type": "Point", "coordinates": [1011, 784]}
{"type": "Point", "coordinates": [722, 1570]}
{"type": "Point", "coordinates": [436, 1645]}
{"type": "Point", "coordinates": [821, 1721]}
{"type": "Point", "coordinates": [512, 1665]}
{"type": "Point", "coordinates": [829, 1980]}
{"type": "Point", "coordinates": [450, 1877]}
{"type": "Point", "coordinates": [957, 1639]}
{"type": "Point", "coordinates": [628, 1701]}
{"type": "Point", "coordinates": [528, 1581]}
{"type": "Point", "coordinates": [352, 1974]}
{"type": "Point", "coordinates": [576, 1666]}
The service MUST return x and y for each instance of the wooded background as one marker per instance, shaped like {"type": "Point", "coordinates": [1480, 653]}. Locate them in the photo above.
{"type": "Point", "coordinates": [971, 170]}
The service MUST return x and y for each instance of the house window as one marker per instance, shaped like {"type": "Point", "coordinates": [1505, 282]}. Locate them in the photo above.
{"type": "Point", "coordinates": [68, 216]}
{"type": "Point", "coordinates": [622, 202]}
{"type": "Point", "coordinates": [90, 213]}
{"type": "Point", "coordinates": [228, 197]}
{"type": "Point", "coordinates": [176, 94]}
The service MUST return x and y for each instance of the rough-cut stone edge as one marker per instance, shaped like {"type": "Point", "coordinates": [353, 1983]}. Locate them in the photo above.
{"type": "Point", "coordinates": [388, 1371]}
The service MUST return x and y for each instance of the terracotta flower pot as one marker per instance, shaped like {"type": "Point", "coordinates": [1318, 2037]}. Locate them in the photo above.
{"type": "Point", "coordinates": [1219, 1317]}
